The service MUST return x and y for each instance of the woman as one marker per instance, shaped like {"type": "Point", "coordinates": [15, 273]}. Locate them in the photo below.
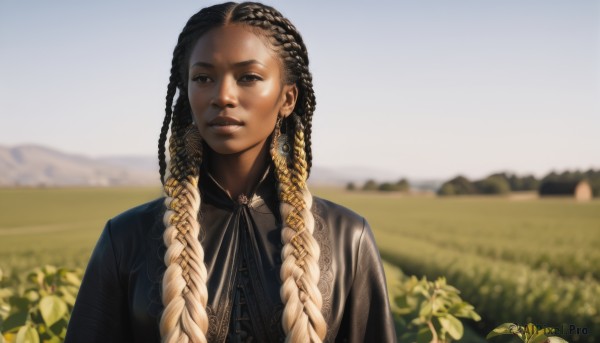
{"type": "Point", "coordinates": [238, 250]}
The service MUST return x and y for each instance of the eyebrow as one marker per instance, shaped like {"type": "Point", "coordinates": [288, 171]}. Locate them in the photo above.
{"type": "Point", "coordinates": [237, 64]}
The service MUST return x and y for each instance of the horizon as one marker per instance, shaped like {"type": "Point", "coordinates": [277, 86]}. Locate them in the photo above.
{"type": "Point", "coordinates": [362, 168]}
{"type": "Point", "coordinates": [428, 90]}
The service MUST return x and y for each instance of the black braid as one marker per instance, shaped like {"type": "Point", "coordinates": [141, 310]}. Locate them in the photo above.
{"type": "Point", "coordinates": [165, 128]}
{"type": "Point", "coordinates": [179, 168]}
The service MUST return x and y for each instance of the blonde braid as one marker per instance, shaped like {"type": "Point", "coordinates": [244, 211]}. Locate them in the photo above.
{"type": "Point", "coordinates": [184, 283]}
{"type": "Point", "coordinates": [302, 318]}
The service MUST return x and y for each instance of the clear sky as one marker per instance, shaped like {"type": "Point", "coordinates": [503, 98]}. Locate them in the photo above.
{"type": "Point", "coordinates": [423, 88]}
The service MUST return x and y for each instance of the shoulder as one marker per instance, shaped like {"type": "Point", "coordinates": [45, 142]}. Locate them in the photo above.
{"type": "Point", "coordinates": [342, 224]}
{"type": "Point", "coordinates": [331, 211]}
{"type": "Point", "coordinates": [136, 223]}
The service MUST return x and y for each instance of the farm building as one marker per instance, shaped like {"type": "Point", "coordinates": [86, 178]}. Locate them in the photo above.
{"type": "Point", "coordinates": [580, 190]}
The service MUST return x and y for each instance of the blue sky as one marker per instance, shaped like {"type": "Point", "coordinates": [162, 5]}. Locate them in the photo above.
{"type": "Point", "coordinates": [427, 89]}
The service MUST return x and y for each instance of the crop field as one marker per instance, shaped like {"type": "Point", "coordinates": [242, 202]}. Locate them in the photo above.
{"type": "Point", "coordinates": [516, 261]}
{"type": "Point", "coordinates": [58, 226]}
{"type": "Point", "coordinates": [532, 260]}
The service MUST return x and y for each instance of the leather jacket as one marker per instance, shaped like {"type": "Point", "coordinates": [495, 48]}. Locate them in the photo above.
{"type": "Point", "coordinates": [120, 295]}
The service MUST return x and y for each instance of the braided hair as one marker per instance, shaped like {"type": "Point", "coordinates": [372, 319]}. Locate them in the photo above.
{"type": "Point", "coordinates": [185, 294]}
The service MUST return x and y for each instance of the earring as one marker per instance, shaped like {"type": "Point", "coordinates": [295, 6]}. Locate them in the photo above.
{"type": "Point", "coordinates": [283, 146]}
{"type": "Point", "coordinates": [192, 140]}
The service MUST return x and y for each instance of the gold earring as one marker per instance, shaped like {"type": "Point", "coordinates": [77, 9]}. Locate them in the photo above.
{"type": "Point", "coordinates": [282, 139]}
{"type": "Point", "coordinates": [280, 142]}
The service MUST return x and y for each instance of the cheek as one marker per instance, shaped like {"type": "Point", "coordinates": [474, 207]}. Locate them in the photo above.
{"type": "Point", "coordinates": [262, 100]}
{"type": "Point", "coordinates": [199, 102]}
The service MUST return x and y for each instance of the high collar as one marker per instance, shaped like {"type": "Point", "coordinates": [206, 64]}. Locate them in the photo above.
{"type": "Point", "coordinates": [214, 193]}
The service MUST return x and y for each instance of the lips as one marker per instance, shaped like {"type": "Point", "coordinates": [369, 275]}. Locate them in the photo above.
{"type": "Point", "coordinates": [224, 121]}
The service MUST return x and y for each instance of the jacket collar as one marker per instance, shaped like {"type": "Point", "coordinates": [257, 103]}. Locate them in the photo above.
{"type": "Point", "coordinates": [212, 192]}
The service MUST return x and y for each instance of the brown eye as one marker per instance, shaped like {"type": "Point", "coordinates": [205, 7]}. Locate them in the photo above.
{"type": "Point", "coordinates": [250, 78]}
{"type": "Point", "coordinates": [201, 79]}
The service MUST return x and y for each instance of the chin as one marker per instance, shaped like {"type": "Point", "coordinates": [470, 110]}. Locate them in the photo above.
{"type": "Point", "coordinates": [225, 148]}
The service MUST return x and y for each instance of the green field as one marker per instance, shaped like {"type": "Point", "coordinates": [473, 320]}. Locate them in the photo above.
{"type": "Point", "coordinates": [530, 260]}
{"type": "Point", "coordinates": [58, 226]}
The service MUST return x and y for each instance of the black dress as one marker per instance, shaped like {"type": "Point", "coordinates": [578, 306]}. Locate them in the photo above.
{"type": "Point", "coordinates": [120, 300]}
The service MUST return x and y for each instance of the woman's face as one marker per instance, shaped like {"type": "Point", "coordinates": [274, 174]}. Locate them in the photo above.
{"type": "Point", "coordinates": [235, 89]}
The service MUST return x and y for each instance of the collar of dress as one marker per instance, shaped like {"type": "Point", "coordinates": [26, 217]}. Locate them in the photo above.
{"type": "Point", "coordinates": [213, 192]}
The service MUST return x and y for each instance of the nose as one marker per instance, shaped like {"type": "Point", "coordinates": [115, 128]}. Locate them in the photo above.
{"type": "Point", "coordinates": [225, 93]}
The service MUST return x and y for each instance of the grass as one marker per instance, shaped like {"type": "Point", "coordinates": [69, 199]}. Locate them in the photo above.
{"type": "Point", "coordinates": [58, 225]}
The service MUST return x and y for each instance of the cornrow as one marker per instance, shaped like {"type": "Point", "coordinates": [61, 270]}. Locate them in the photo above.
{"type": "Point", "coordinates": [185, 296]}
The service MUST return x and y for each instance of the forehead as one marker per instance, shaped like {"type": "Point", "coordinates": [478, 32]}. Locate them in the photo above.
{"type": "Point", "coordinates": [232, 43]}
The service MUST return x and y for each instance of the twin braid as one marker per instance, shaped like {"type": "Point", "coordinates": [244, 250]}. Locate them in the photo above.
{"type": "Point", "coordinates": [302, 318]}
{"type": "Point", "coordinates": [184, 295]}
{"type": "Point", "coordinates": [184, 291]}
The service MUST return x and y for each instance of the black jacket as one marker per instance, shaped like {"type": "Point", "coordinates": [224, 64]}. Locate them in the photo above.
{"type": "Point", "coordinates": [120, 300]}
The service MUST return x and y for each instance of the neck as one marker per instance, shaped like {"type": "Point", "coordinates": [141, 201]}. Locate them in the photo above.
{"type": "Point", "coordinates": [238, 173]}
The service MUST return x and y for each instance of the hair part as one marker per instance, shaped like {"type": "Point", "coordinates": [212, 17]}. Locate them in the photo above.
{"type": "Point", "coordinates": [185, 295]}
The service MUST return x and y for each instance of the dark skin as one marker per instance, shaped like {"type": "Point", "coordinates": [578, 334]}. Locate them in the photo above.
{"type": "Point", "coordinates": [252, 92]}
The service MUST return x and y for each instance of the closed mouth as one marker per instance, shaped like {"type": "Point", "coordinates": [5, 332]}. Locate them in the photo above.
{"type": "Point", "coordinates": [225, 124]}
{"type": "Point", "coordinates": [224, 121]}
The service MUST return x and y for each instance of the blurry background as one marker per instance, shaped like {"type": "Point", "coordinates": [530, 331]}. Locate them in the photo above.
{"type": "Point", "coordinates": [414, 99]}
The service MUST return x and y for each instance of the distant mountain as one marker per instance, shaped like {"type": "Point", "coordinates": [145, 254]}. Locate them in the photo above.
{"type": "Point", "coordinates": [143, 163]}
{"type": "Point", "coordinates": [35, 165]}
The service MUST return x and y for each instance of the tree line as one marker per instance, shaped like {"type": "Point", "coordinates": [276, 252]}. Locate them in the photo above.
{"type": "Point", "coordinates": [401, 185]}
{"type": "Point", "coordinates": [497, 183]}
{"type": "Point", "coordinates": [503, 183]}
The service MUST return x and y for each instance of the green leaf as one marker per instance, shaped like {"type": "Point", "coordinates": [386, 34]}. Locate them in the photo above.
{"type": "Point", "coordinates": [503, 329]}
{"type": "Point", "coordinates": [4, 311]}
{"type": "Point", "coordinates": [463, 309]}
{"type": "Point", "coordinates": [538, 337]}
{"type": "Point", "coordinates": [14, 321]}
{"type": "Point", "coordinates": [424, 335]}
{"type": "Point", "coordinates": [6, 292]}
{"type": "Point", "coordinates": [452, 325]}
{"type": "Point", "coordinates": [49, 269]}
{"type": "Point", "coordinates": [52, 309]}
{"type": "Point", "coordinates": [67, 296]}
{"type": "Point", "coordinates": [73, 279]}
{"type": "Point", "coordinates": [531, 331]}
{"type": "Point", "coordinates": [535, 335]}
{"type": "Point", "coordinates": [451, 289]}
{"type": "Point", "coordinates": [20, 303]}
{"type": "Point", "coordinates": [36, 276]}
{"type": "Point", "coordinates": [27, 334]}
{"type": "Point", "coordinates": [425, 310]}
{"type": "Point", "coordinates": [438, 306]}
{"type": "Point", "coordinates": [60, 328]}
{"type": "Point", "coordinates": [32, 296]}
{"type": "Point", "coordinates": [422, 289]}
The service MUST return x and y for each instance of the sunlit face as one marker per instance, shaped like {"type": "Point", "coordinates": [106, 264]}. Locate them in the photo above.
{"type": "Point", "coordinates": [233, 73]}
